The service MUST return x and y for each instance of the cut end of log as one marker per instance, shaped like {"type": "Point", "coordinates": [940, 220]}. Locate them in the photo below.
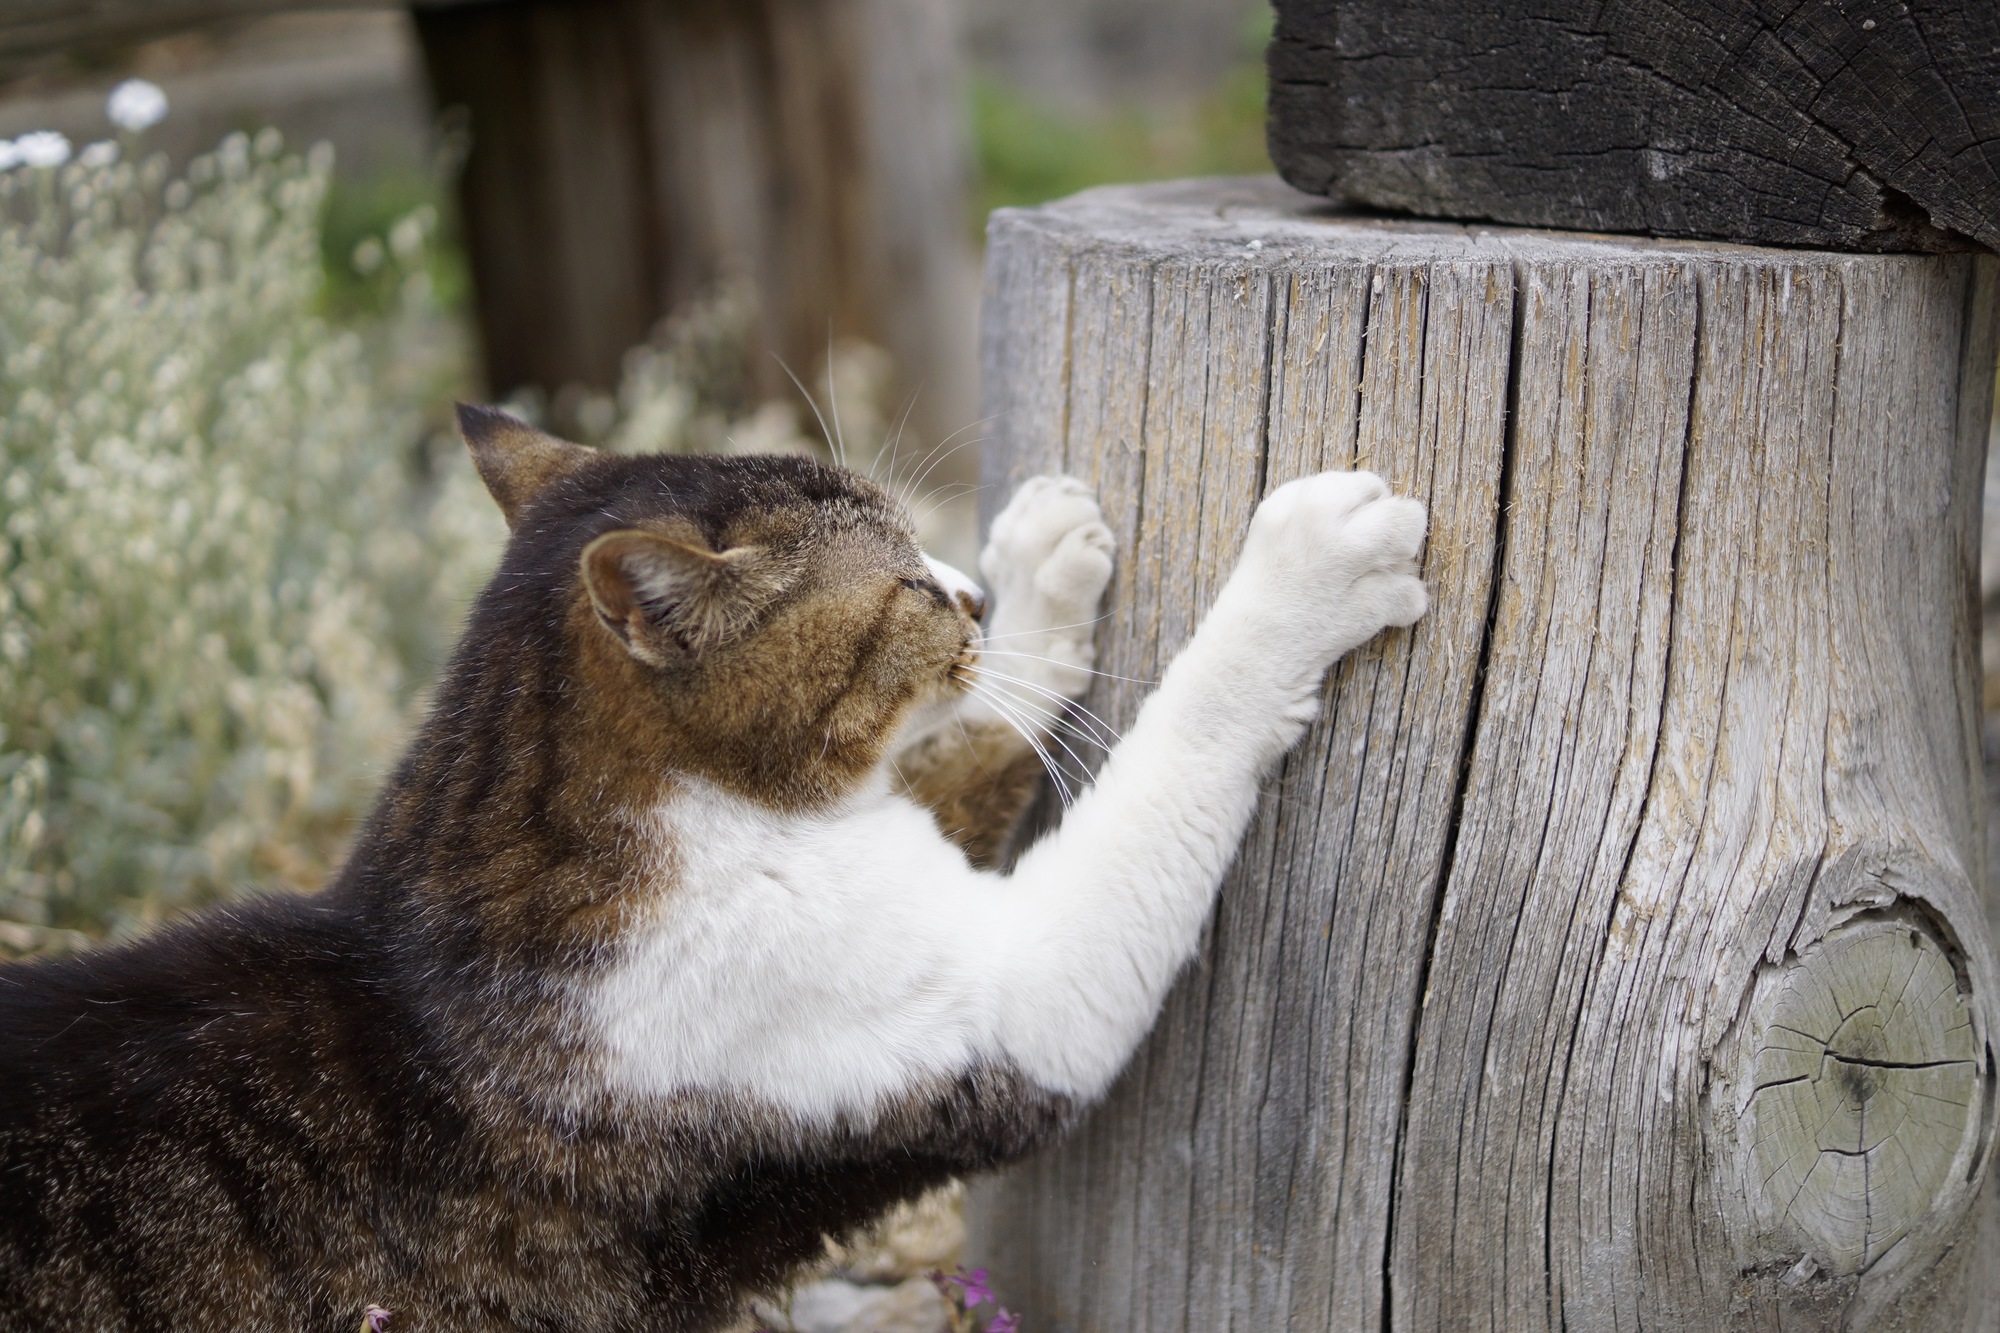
{"type": "Point", "coordinates": [1862, 1096]}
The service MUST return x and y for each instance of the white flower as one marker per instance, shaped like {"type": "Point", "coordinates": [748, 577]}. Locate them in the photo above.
{"type": "Point", "coordinates": [42, 148]}
{"type": "Point", "coordinates": [136, 105]}
{"type": "Point", "coordinates": [100, 154]}
{"type": "Point", "coordinates": [10, 156]}
{"type": "Point", "coordinates": [406, 238]}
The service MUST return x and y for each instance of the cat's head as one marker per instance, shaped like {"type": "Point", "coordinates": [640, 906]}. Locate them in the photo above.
{"type": "Point", "coordinates": [766, 623]}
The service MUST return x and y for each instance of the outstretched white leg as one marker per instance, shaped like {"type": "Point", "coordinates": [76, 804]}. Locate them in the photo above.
{"type": "Point", "coordinates": [1111, 904]}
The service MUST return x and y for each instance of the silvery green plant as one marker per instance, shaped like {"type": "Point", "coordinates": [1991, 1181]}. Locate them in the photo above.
{"type": "Point", "coordinates": [228, 572]}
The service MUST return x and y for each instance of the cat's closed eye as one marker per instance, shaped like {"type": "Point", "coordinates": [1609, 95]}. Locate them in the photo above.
{"type": "Point", "coordinates": [929, 589]}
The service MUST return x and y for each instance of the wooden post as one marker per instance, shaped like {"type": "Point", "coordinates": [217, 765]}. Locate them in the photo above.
{"type": "Point", "coordinates": [1612, 954]}
{"type": "Point", "coordinates": [631, 156]}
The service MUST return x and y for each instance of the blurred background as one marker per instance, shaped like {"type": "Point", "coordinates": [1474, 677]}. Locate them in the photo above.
{"type": "Point", "coordinates": [251, 251]}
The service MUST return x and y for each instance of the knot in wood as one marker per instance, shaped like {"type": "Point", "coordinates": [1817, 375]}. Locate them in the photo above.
{"type": "Point", "coordinates": [1865, 1089]}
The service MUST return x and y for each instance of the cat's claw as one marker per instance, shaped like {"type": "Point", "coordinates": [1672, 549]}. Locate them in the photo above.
{"type": "Point", "coordinates": [1341, 551]}
{"type": "Point", "coordinates": [1046, 564]}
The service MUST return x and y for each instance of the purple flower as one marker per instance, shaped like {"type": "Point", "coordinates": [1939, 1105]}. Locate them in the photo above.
{"type": "Point", "coordinates": [974, 1286]}
{"type": "Point", "coordinates": [1005, 1322]}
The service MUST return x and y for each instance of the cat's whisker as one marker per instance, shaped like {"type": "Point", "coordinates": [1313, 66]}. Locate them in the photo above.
{"type": "Point", "coordinates": [890, 483]}
{"type": "Point", "coordinates": [1062, 700]}
{"type": "Point", "coordinates": [941, 495]}
{"type": "Point", "coordinates": [1053, 723]}
{"type": "Point", "coordinates": [1014, 719]}
{"type": "Point", "coordinates": [1042, 629]}
{"type": "Point", "coordinates": [945, 492]}
{"type": "Point", "coordinates": [833, 399]}
{"type": "Point", "coordinates": [1049, 765]}
{"type": "Point", "coordinates": [1038, 657]}
{"type": "Point", "coordinates": [813, 403]}
{"type": "Point", "coordinates": [1053, 717]}
{"type": "Point", "coordinates": [1099, 735]}
{"type": "Point", "coordinates": [941, 498]}
{"type": "Point", "coordinates": [945, 441]}
{"type": "Point", "coordinates": [970, 425]}
{"type": "Point", "coordinates": [893, 446]}
{"type": "Point", "coordinates": [1053, 731]}
{"type": "Point", "coordinates": [1056, 727]}
{"type": "Point", "coordinates": [931, 460]}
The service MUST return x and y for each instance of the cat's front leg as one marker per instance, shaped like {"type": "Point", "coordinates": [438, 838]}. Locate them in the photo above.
{"type": "Point", "coordinates": [976, 764]}
{"type": "Point", "coordinates": [1112, 904]}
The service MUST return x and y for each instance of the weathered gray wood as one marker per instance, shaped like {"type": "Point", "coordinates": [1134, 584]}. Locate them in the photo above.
{"type": "Point", "coordinates": [1866, 126]}
{"type": "Point", "coordinates": [1494, 1024]}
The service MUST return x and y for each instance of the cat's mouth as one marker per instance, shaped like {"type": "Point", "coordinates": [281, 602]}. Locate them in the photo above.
{"type": "Point", "coordinates": [964, 669]}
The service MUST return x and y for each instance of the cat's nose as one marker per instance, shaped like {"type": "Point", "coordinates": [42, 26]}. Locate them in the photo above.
{"type": "Point", "coordinates": [961, 589]}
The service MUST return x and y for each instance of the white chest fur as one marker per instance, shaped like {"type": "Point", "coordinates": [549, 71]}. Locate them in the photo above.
{"type": "Point", "coordinates": [812, 964]}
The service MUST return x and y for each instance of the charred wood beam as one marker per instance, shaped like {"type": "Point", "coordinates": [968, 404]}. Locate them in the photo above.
{"type": "Point", "coordinates": [1862, 126]}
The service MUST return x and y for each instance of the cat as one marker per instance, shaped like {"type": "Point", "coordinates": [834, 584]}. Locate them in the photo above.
{"type": "Point", "coordinates": [675, 943]}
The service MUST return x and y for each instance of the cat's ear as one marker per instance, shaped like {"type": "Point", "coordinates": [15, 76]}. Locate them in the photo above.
{"type": "Point", "coordinates": [514, 459]}
{"type": "Point", "coordinates": [669, 598]}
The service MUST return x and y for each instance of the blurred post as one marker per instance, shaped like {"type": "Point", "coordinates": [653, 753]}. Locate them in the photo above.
{"type": "Point", "coordinates": [631, 156]}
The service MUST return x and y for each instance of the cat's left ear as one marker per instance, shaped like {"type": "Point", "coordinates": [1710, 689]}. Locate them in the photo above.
{"type": "Point", "coordinates": [515, 460]}
{"type": "Point", "coordinates": [669, 599]}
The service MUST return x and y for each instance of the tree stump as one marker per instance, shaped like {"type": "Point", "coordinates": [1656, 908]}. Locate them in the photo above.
{"type": "Point", "coordinates": [1612, 953]}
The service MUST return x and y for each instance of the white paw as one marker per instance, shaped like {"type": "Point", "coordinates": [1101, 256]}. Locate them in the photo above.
{"type": "Point", "coordinates": [1335, 555]}
{"type": "Point", "coordinates": [1046, 564]}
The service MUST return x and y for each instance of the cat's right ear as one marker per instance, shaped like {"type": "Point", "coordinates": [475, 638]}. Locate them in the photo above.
{"type": "Point", "coordinates": [668, 598]}
{"type": "Point", "coordinates": [514, 459]}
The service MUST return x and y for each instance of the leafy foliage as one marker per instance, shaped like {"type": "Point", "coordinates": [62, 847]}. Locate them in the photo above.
{"type": "Point", "coordinates": [229, 563]}
{"type": "Point", "coordinates": [1029, 152]}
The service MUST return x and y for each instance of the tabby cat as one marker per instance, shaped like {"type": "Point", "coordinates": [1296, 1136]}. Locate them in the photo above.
{"type": "Point", "coordinates": [668, 950]}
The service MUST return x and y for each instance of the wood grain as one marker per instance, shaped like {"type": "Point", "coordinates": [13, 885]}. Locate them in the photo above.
{"type": "Point", "coordinates": [1489, 1028]}
{"type": "Point", "coordinates": [1856, 125]}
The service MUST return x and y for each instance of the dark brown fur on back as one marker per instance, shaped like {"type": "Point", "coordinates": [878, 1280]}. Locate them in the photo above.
{"type": "Point", "coordinates": [274, 1114]}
